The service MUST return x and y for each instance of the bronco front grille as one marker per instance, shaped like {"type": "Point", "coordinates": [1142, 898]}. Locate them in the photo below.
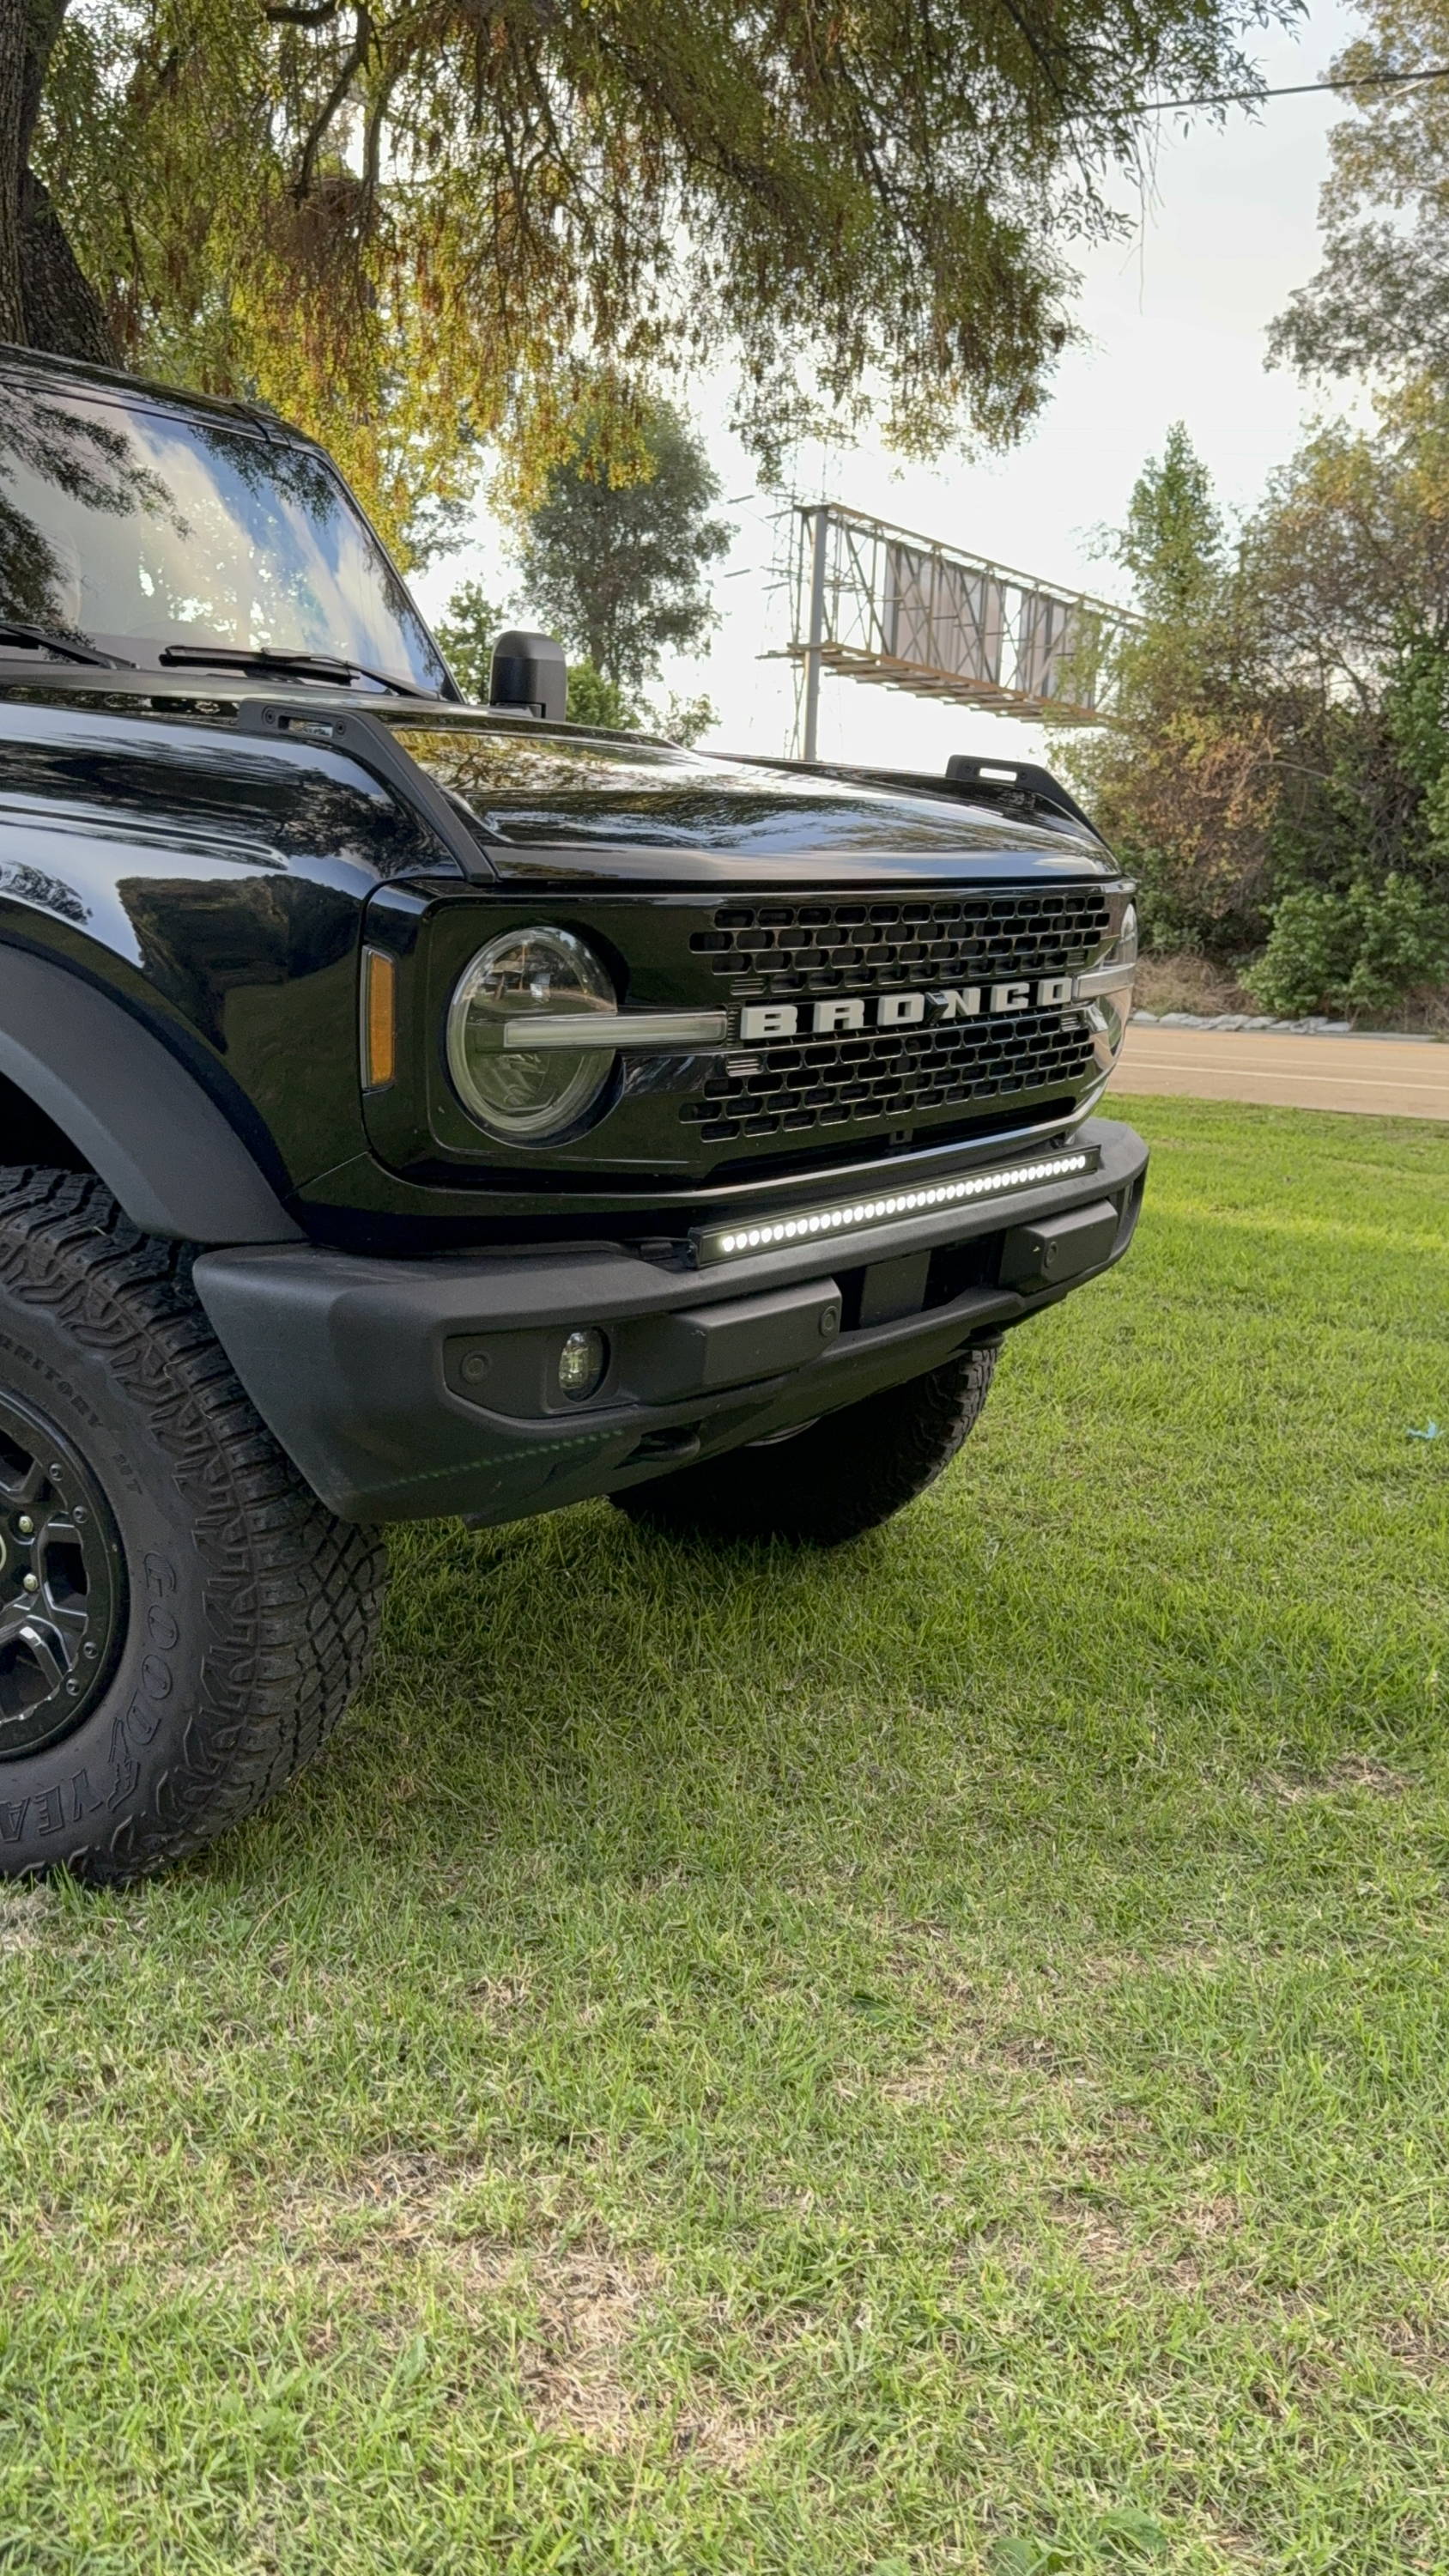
{"type": "Point", "coordinates": [890, 1077]}
{"type": "Point", "coordinates": [776, 949]}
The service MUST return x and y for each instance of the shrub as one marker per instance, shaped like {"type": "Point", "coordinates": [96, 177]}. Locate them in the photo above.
{"type": "Point", "coordinates": [1356, 951]}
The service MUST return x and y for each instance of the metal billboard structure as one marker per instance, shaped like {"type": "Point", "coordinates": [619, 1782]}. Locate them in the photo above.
{"type": "Point", "coordinates": [880, 603]}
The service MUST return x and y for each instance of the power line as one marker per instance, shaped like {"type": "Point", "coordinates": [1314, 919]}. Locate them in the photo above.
{"type": "Point", "coordinates": [1297, 89]}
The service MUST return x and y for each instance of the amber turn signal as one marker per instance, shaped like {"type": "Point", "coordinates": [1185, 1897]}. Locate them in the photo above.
{"type": "Point", "coordinates": [379, 1019]}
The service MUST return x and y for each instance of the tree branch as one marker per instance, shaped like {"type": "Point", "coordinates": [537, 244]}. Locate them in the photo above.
{"type": "Point", "coordinates": [317, 130]}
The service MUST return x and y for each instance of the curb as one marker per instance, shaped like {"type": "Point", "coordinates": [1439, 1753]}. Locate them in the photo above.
{"type": "Point", "coordinates": [1246, 1025]}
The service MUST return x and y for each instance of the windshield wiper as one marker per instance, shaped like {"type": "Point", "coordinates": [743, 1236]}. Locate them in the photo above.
{"type": "Point", "coordinates": [53, 639]}
{"type": "Point", "coordinates": [263, 658]}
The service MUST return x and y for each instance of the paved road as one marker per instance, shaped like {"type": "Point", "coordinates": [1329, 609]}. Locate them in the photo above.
{"type": "Point", "coordinates": [1387, 1077]}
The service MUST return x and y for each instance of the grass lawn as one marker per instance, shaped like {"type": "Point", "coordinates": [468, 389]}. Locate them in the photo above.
{"type": "Point", "coordinates": [935, 2057]}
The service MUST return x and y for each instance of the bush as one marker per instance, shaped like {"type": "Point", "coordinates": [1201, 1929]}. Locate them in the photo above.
{"type": "Point", "coordinates": [1356, 951]}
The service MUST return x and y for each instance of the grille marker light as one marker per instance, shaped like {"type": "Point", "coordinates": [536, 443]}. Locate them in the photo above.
{"type": "Point", "coordinates": [855, 1216]}
{"type": "Point", "coordinates": [379, 1019]}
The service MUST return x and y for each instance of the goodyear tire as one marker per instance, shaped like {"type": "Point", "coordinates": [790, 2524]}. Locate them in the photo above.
{"type": "Point", "coordinates": [181, 1622]}
{"type": "Point", "coordinates": [845, 1475]}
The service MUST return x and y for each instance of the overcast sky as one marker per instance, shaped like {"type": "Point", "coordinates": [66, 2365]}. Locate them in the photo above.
{"type": "Point", "coordinates": [1175, 323]}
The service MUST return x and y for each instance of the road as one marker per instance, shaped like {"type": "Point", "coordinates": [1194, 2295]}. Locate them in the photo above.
{"type": "Point", "coordinates": [1385, 1077]}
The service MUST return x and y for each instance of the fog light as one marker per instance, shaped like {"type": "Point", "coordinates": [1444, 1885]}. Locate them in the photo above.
{"type": "Point", "coordinates": [582, 1362]}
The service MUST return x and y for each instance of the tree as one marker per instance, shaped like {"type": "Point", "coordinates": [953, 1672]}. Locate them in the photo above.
{"type": "Point", "coordinates": [467, 632]}
{"type": "Point", "coordinates": [470, 627]}
{"type": "Point", "coordinates": [1173, 541]}
{"type": "Point", "coordinates": [601, 703]}
{"type": "Point", "coordinates": [612, 551]}
{"type": "Point", "coordinates": [686, 720]}
{"type": "Point", "coordinates": [615, 567]}
{"type": "Point", "coordinates": [415, 225]}
{"type": "Point", "coordinates": [1380, 301]}
{"type": "Point", "coordinates": [1280, 778]}
{"type": "Point", "coordinates": [1181, 784]}
{"type": "Point", "coordinates": [44, 299]}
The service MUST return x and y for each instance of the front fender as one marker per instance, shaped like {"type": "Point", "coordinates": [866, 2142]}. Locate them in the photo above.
{"type": "Point", "coordinates": [139, 1118]}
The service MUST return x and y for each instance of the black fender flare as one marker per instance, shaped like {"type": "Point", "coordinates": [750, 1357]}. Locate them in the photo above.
{"type": "Point", "coordinates": [131, 1108]}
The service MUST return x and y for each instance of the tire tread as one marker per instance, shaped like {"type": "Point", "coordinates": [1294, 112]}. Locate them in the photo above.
{"type": "Point", "coordinates": [844, 1475]}
{"type": "Point", "coordinates": [293, 1595]}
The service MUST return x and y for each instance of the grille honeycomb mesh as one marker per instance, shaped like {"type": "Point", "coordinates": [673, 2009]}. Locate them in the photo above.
{"type": "Point", "coordinates": [778, 949]}
{"type": "Point", "coordinates": [890, 1078]}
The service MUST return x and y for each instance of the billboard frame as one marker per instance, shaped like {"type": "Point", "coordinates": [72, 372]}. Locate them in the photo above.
{"type": "Point", "coordinates": [980, 633]}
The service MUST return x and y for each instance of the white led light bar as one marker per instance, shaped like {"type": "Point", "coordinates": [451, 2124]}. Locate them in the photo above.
{"type": "Point", "coordinates": [850, 1217]}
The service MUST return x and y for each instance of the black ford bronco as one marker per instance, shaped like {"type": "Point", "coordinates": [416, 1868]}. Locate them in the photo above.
{"type": "Point", "coordinates": [410, 1108]}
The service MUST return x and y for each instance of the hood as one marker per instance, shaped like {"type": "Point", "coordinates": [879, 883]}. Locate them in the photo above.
{"type": "Point", "coordinates": [532, 792]}
{"type": "Point", "coordinates": [561, 804]}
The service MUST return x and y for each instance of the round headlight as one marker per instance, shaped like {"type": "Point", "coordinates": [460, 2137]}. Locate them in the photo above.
{"type": "Point", "coordinates": [518, 1092]}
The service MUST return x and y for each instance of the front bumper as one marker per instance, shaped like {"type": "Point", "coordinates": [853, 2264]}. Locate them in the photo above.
{"type": "Point", "coordinates": [406, 1390]}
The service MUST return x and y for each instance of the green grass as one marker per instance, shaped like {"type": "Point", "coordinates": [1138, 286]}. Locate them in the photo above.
{"type": "Point", "coordinates": [930, 2058]}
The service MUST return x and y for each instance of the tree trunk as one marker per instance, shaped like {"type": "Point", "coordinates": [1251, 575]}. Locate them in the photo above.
{"type": "Point", "coordinates": [45, 302]}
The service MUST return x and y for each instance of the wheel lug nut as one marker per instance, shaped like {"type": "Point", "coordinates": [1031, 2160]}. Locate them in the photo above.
{"type": "Point", "coordinates": [30, 1582]}
{"type": "Point", "coordinates": [72, 1687]}
{"type": "Point", "coordinates": [79, 1513]}
{"type": "Point", "coordinates": [89, 1650]}
{"type": "Point", "coordinates": [26, 1525]}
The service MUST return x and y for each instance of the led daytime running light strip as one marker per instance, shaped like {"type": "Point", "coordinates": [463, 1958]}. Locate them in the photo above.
{"type": "Point", "coordinates": [725, 1243]}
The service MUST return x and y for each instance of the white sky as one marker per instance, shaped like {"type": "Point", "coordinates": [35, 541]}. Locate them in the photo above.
{"type": "Point", "coordinates": [1175, 320]}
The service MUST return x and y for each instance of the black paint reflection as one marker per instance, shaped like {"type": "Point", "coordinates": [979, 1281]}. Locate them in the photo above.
{"type": "Point", "coordinates": [203, 941]}
{"type": "Point", "coordinates": [552, 790]}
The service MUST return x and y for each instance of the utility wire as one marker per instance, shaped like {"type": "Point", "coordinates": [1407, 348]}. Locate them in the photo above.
{"type": "Point", "coordinates": [1297, 89]}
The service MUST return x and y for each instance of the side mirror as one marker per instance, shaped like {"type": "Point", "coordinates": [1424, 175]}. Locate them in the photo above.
{"type": "Point", "coordinates": [529, 672]}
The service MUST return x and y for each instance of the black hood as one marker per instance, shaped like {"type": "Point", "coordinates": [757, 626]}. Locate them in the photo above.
{"type": "Point", "coordinates": [531, 791]}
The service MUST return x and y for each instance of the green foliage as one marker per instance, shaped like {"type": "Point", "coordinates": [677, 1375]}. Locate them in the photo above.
{"type": "Point", "coordinates": [602, 703]}
{"type": "Point", "coordinates": [686, 720]}
{"type": "Point", "coordinates": [417, 228]}
{"type": "Point", "coordinates": [595, 701]}
{"type": "Point", "coordinates": [614, 550]}
{"type": "Point", "coordinates": [1280, 779]}
{"type": "Point", "coordinates": [1354, 951]}
{"type": "Point", "coordinates": [466, 632]}
{"type": "Point", "coordinates": [1416, 712]}
{"type": "Point", "coordinates": [1173, 542]}
{"type": "Point", "coordinates": [1380, 302]}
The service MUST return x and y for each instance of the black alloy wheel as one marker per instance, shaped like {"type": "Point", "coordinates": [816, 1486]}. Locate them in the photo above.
{"type": "Point", "coordinates": [62, 1583]}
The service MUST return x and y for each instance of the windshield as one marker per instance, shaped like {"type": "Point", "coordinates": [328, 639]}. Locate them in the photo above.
{"type": "Point", "coordinates": [132, 529]}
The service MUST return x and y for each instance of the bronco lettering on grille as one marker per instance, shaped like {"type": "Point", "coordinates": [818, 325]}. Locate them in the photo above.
{"type": "Point", "coordinates": [844, 1013]}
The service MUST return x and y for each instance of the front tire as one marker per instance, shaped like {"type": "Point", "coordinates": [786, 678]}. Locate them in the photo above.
{"type": "Point", "coordinates": [182, 1623]}
{"type": "Point", "coordinates": [846, 1474]}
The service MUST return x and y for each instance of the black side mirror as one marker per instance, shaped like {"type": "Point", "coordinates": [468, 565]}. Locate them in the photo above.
{"type": "Point", "coordinates": [529, 671]}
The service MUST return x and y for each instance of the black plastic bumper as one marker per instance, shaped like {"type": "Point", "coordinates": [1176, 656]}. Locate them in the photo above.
{"type": "Point", "coordinates": [403, 1390]}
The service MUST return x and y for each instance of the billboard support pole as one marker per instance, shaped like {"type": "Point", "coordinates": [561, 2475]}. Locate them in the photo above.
{"type": "Point", "coordinates": [816, 636]}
